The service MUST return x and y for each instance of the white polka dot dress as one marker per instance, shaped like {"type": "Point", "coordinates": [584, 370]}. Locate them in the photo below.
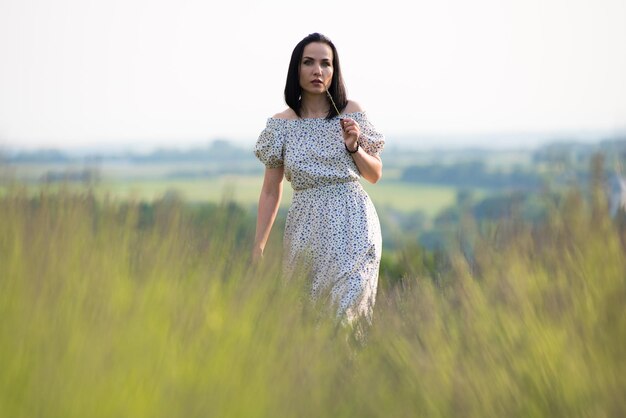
{"type": "Point", "coordinates": [332, 228]}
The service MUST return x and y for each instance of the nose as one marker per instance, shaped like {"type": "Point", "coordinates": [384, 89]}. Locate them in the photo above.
{"type": "Point", "coordinates": [318, 70]}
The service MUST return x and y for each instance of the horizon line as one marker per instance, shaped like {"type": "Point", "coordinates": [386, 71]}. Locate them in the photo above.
{"type": "Point", "coordinates": [537, 137]}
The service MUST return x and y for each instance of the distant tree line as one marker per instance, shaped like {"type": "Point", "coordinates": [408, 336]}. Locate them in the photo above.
{"type": "Point", "coordinates": [575, 153]}
{"type": "Point", "coordinates": [472, 174]}
{"type": "Point", "coordinates": [218, 150]}
{"type": "Point", "coordinates": [86, 176]}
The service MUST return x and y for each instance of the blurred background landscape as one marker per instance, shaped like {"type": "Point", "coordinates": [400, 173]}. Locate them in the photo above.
{"type": "Point", "coordinates": [420, 199]}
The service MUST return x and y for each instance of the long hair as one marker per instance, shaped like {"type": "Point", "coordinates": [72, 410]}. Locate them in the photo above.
{"type": "Point", "coordinates": [293, 90]}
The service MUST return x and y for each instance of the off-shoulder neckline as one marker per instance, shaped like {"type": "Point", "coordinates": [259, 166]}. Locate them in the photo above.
{"type": "Point", "coordinates": [360, 112]}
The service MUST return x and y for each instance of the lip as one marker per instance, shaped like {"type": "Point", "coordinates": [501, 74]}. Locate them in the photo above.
{"type": "Point", "coordinates": [317, 82]}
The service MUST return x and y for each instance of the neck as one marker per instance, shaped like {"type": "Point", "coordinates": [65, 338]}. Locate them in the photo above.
{"type": "Point", "coordinates": [314, 106]}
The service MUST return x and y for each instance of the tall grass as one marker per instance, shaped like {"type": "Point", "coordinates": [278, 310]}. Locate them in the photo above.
{"type": "Point", "coordinates": [122, 309]}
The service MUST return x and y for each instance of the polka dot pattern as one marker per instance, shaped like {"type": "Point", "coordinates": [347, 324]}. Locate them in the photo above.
{"type": "Point", "coordinates": [332, 228]}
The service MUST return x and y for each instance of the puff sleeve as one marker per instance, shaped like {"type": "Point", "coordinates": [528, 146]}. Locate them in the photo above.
{"type": "Point", "coordinates": [371, 140]}
{"type": "Point", "coordinates": [269, 148]}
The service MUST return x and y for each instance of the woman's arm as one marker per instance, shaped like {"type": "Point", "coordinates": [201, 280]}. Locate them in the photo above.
{"type": "Point", "coordinates": [370, 167]}
{"type": "Point", "coordinates": [269, 201]}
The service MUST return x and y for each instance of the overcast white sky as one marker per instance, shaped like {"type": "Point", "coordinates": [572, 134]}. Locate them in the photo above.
{"type": "Point", "coordinates": [143, 73]}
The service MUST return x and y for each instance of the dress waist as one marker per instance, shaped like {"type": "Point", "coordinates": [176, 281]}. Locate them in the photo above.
{"type": "Point", "coordinates": [322, 184]}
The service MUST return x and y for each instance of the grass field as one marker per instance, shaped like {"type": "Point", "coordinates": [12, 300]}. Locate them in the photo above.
{"type": "Point", "coordinates": [245, 190]}
{"type": "Point", "coordinates": [113, 310]}
{"type": "Point", "coordinates": [150, 182]}
{"type": "Point", "coordinates": [241, 189]}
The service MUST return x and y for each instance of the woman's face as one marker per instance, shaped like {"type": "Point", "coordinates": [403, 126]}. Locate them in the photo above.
{"type": "Point", "coordinates": [316, 67]}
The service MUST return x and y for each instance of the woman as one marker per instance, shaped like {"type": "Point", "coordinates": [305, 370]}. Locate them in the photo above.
{"type": "Point", "coordinates": [322, 144]}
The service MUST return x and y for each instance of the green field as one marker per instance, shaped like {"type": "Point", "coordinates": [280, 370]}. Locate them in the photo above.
{"type": "Point", "coordinates": [410, 197]}
{"type": "Point", "coordinates": [241, 189]}
{"type": "Point", "coordinates": [245, 190]}
{"type": "Point", "coordinates": [118, 309]}
{"type": "Point", "coordinates": [150, 182]}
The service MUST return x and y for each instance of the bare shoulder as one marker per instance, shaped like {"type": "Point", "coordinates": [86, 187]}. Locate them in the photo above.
{"type": "Point", "coordinates": [286, 114]}
{"type": "Point", "coordinates": [352, 107]}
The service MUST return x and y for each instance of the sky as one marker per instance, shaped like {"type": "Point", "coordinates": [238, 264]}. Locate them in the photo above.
{"type": "Point", "coordinates": [139, 74]}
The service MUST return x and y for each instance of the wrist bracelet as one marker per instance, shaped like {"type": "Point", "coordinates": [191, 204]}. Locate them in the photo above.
{"type": "Point", "coordinates": [348, 149]}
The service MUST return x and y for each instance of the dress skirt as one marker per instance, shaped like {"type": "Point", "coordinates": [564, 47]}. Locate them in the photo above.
{"type": "Point", "coordinates": [333, 232]}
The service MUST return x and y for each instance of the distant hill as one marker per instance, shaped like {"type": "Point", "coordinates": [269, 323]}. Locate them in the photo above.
{"type": "Point", "coordinates": [219, 150]}
{"type": "Point", "coordinates": [222, 151]}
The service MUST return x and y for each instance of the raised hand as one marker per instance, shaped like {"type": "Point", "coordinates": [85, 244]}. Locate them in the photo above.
{"type": "Point", "coordinates": [351, 132]}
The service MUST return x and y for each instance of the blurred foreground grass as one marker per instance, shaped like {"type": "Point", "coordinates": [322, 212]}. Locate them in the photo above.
{"type": "Point", "coordinates": [122, 309]}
